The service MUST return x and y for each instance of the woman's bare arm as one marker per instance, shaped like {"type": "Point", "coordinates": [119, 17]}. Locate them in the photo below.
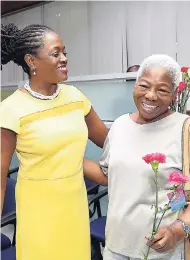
{"type": "Point", "coordinates": [97, 131]}
{"type": "Point", "coordinates": [93, 171]}
{"type": "Point", "coordinates": [97, 134]}
{"type": "Point", "coordinates": [8, 145]}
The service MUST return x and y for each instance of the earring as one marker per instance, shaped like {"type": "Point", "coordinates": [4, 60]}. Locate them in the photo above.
{"type": "Point", "coordinates": [34, 71]}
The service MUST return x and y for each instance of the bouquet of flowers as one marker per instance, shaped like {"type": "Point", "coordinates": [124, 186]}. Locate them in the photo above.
{"type": "Point", "coordinates": [182, 93]}
{"type": "Point", "coordinates": [176, 197]}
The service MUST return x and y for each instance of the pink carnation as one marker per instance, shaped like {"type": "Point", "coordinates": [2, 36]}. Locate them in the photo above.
{"type": "Point", "coordinates": [176, 178]}
{"type": "Point", "coordinates": [154, 157]}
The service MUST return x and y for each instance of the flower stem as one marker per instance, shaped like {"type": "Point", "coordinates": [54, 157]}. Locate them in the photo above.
{"type": "Point", "coordinates": [156, 229]}
{"type": "Point", "coordinates": [156, 206]}
{"type": "Point", "coordinates": [155, 213]}
{"type": "Point", "coordinates": [185, 101]}
{"type": "Point", "coordinates": [164, 211]}
{"type": "Point", "coordinates": [166, 208]}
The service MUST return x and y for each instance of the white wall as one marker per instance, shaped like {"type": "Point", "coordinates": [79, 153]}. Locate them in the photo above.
{"type": "Point", "coordinates": [183, 33]}
{"type": "Point", "coordinates": [92, 32]}
{"type": "Point", "coordinates": [107, 37]}
{"type": "Point", "coordinates": [151, 28]}
{"type": "Point", "coordinates": [70, 21]}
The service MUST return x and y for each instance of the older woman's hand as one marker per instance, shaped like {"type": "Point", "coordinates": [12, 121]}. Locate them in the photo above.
{"type": "Point", "coordinates": [164, 240]}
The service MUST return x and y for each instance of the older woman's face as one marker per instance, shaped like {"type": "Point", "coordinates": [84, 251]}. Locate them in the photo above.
{"type": "Point", "coordinates": [153, 93]}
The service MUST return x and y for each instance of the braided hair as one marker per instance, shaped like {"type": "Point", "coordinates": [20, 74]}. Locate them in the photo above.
{"type": "Point", "coordinates": [15, 43]}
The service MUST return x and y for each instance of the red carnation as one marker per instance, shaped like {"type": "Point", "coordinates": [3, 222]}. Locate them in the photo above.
{"type": "Point", "coordinates": [184, 69]}
{"type": "Point", "coordinates": [182, 86]}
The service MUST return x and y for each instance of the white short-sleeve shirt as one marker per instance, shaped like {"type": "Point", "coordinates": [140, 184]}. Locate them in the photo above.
{"type": "Point", "coordinates": [131, 187]}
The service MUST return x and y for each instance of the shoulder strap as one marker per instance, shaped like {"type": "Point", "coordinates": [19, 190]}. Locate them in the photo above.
{"type": "Point", "coordinates": [186, 155]}
{"type": "Point", "coordinates": [186, 172]}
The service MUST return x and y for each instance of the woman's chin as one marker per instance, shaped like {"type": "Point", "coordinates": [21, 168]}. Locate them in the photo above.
{"type": "Point", "coordinates": [149, 117]}
{"type": "Point", "coordinates": [61, 79]}
{"type": "Point", "coordinates": [148, 114]}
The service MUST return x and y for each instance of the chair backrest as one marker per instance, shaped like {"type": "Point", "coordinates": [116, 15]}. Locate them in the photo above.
{"type": "Point", "coordinates": [5, 242]}
{"type": "Point", "coordinates": [89, 183]}
{"type": "Point", "coordinates": [91, 186]}
{"type": "Point", "coordinates": [9, 201]}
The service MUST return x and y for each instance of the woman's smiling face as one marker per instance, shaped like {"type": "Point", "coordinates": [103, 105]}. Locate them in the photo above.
{"type": "Point", "coordinates": [153, 93]}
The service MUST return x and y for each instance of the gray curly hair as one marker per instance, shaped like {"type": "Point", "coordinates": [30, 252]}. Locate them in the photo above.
{"type": "Point", "coordinates": [164, 61]}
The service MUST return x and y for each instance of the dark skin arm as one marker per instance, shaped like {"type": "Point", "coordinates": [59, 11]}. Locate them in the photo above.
{"type": "Point", "coordinates": [93, 171]}
{"type": "Point", "coordinates": [97, 131]}
{"type": "Point", "coordinates": [97, 134]}
{"type": "Point", "coordinates": [8, 145]}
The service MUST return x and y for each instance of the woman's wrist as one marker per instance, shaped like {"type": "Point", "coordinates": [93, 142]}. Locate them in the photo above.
{"type": "Point", "coordinates": [178, 231]}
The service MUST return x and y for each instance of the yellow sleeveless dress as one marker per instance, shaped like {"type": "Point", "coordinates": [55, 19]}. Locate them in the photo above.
{"type": "Point", "coordinates": [51, 200]}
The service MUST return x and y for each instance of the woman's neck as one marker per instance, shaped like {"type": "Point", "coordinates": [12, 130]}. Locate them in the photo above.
{"type": "Point", "coordinates": [140, 120]}
{"type": "Point", "coordinates": [43, 88]}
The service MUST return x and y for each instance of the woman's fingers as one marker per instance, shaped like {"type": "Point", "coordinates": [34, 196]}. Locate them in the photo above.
{"type": "Point", "coordinates": [158, 236]}
{"type": "Point", "coordinates": [162, 241]}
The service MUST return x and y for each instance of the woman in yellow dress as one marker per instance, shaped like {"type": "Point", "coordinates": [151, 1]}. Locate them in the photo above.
{"type": "Point", "coordinates": [48, 124]}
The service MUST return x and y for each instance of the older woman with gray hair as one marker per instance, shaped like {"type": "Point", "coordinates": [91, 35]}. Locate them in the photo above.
{"type": "Point", "coordinates": [153, 128]}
